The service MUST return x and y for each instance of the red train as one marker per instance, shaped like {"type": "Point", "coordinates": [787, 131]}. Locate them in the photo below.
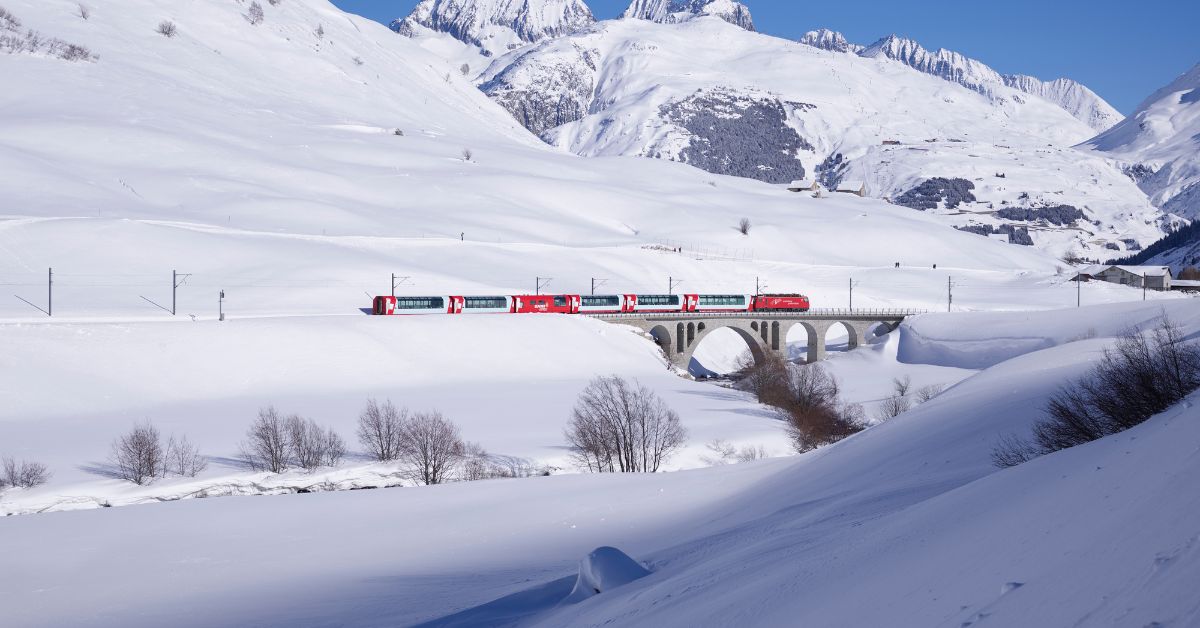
{"type": "Point", "coordinates": [590, 304]}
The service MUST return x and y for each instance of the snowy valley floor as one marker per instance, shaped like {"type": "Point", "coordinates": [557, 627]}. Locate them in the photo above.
{"type": "Point", "coordinates": [905, 524]}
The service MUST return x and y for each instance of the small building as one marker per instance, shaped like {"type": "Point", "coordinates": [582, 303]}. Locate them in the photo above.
{"type": "Point", "coordinates": [1155, 277]}
{"type": "Point", "coordinates": [1185, 285]}
{"type": "Point", "coordinates": [852, 187]}
{"type": "Point", "coordinates": [804, 185]}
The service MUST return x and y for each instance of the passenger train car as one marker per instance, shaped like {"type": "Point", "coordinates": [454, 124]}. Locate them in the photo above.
{"type": "Point", "coordinates": [590, 304]}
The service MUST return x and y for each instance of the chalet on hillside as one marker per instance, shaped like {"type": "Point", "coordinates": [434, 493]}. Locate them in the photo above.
{"type": "Point", "coordinates": [1155, 277]}
{"type": "Point", "coordinates": [804, 185]}
{"type": "Point", "coordinates": [858, 188]}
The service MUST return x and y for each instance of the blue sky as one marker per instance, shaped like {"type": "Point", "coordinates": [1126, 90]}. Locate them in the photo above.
{"type": "Point", "coordinates": [1122, 50]}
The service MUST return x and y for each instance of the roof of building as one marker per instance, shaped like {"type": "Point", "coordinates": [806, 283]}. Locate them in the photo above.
{"type": "Point", "coordinates": [1185, 283]}
{"type": "Point", "coordinates": [1149, 271]}
{"type": "Point", "coordinates": [850, 186]}
{"type": "Point", "coordinates": [802, 184]}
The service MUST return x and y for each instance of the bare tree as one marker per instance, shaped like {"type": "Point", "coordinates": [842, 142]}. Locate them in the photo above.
{"type": "Point", "coordinates": [902, 386]}
{"type": "Point", "coordinates": [744, 226]}
{"type": "Point", "coordinates": [431, 447]}
{"type": "Point", "coordinates": [467, 154]}
{"type": "Point", "coordinates": [266, 446]}
{"type": "Point", "coordinates": [138, 455]}
{"type": "Point", "coordinates": [751, 453]}
{"type": "Point", "coordinates": [892, 407]}
{"type": "Point", "coordinates": [311, 446]}
{"type": "Point", "coordinates": [358, 61]}
{"type": "Point", "coordinates": [24, 474]}
{"type": "Point", "coordinates": [766, 378]}
{"type": "Point", "coordinates": [166, 28]}
{"type": "Point", "coordinates": [814, 412]}
{"type": "Point", "coordinates": [183, 458]}
{"type": "Point", "coordinates": [619, 426]}
{"type": "Point", "coordinates": [320, 31]}
{"type": "Point", "coordinates": [84, 12]}
{"type": "Point", "coordinates": [379, 430]}
{"type": "Point", "coordinates": [925, 393]}
{"type": "Point", "coordinates": [465, 69]}
{"type": "Point", "coordinates": [255, 14]}
{"type": "Point", "coordinates": [274, 2]}
{"type": "Point", "coordinates": [723, 452]}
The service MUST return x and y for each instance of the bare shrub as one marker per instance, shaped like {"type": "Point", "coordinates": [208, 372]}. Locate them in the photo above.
{"type": "Point", "coordinates": [84, 12]}
{"type": "Point", "coordinates": [24, 474]}
{"type": "Point", "coordinates": [357, 60]}
{"type": "Point", "coordinates": [1143, 374]}
{"type": "Point", "coordinates": [467, 154]}
{"type": "Point", "coordinates": [892, 407]}
{"type": "Point", "coordinates": [725, 452]}
{"type": "Point", "coordinates": [266, 447]}
{"type": "Point", "coordinates": [398, 132]}
{"type": "Point", "coordinates": [167, 28]}
{"type": "Point", "coordinates": [138, 455]}
{"type": "Point", "coordinates": [925, 393]}
{"type": "Point", "coordinates": [814, 412]}
{"type": "Point", "coordinates": [431, 446]}
{"type": "Point", "coordinates": [255, 14]}
{"type": "Point", "coordinates": [274, 2]}
{"type": "Point", "coordinates": [465, 69]}
{"type": "Point", "coordinates": [182, 458]}
{"type": "Point", "coordinates": [619, 426]}
{"type": "Point", "coordinates": [380, 430]}
{"type": "Point", "coordinates": [311, 446]}
{"type": "Point", "coordinates": [8, 21]}
{"type": "Point", "coordinates": [902, 386]}
{"type": "Point", "coordinates": [744, 226]}
{"type": "Point", "coordinates": [767, 379]}
{"type": "Point", "coordinates": [320, 32]}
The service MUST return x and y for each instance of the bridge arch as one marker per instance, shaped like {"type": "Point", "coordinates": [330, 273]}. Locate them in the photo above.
{"type": "Point", "coordinates": [749, 335]}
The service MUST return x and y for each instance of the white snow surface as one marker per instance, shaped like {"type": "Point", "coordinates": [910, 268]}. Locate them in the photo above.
{"type": "Point", "coordinates": [909, 514]}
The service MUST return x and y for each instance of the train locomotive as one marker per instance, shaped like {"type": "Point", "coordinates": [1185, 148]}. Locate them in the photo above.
{"type": "Point", "coordinates": [589, 304]}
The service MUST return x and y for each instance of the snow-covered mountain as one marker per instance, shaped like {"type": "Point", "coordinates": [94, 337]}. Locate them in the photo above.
{"type": "Point", "coordinates": [1160, 144]}
{"type": "Point", "coordinates": [496, 26]}
{"type": "Point", "coordinates": [1078, 100]}
{"type": "Point", "coordinates": [673, 11]}
{"type": "Point", "coordinates": [739, 103]}
{"type": "Point", "coordinates": [826, 39]}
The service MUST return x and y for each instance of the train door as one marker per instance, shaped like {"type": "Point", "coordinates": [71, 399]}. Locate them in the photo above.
{"type": "Point", "coordinates": [456, 305]}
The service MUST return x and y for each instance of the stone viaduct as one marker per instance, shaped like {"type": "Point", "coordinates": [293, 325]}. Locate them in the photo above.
{"type": "Point", "coordinates": [680, 334]}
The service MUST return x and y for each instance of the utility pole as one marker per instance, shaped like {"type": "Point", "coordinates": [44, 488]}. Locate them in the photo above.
{"type": "Point", "coordinates": [949, 293]}
{"type": "Point", "coordinates": [395, 284]}
{"type": "Point", "coordinates": [596, 283]}
{"type": "Point", "coordinates": [542, 282]}
{"type": "Point", "coordinates": [50, 292]}
{"type": "Point", "coordinates": [1078, 291]}
{"type": "Point", "coordinates": [1143, 286]}
{"type": "Point", "coordinates": [757, 287]}
{"type": "Point", "coordinates": [221, 306]}
{"type": "Point", "coordinates": [672, 284]}
{"type": "Point", "coordinates": [176, 281]}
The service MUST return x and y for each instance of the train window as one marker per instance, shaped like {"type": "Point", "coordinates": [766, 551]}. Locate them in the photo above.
{"type": "Point", "coordinates": [722, 299]}
{"type": "Point", "coordinates": [560, 301]}
{"type": "Point", "coordinates": [420, 303]}
{"type": "Point", "coordinates": [658, 299]}
{"type": "Point", "coordinates": [610, 301]}
{"type": "Point", "coordinates": [480, 303]}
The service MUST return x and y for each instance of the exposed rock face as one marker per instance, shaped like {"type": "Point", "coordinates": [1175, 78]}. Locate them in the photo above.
{"type": "Point", "coordinates": [560, 92]}
{"type": "Point", "coordinates": [826, 39]}
{"type": "Point", "coordinates": [495, 25]}
{"type": "Point", "coordinates": [673, 11]}
{"type": "Point", "coordinates": [1081, 102]}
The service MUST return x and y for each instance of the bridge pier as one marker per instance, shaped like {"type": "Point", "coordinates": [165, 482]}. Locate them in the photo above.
{"type": "Point", "coordinates": [678, 335]}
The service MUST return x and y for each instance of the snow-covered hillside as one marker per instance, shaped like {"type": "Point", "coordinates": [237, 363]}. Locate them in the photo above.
{"type": "Point", "coordinates": [910, 515]}
{"type": "Point", "coordinates": [734, 102]}
{"type": "Point", "coordinates": [496, 26]}
{"type": "Point", "coordinates": [1160, 145]}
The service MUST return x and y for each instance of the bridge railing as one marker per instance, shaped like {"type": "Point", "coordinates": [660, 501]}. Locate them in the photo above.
{"type": "Point", "coordinates": [872, 313]}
